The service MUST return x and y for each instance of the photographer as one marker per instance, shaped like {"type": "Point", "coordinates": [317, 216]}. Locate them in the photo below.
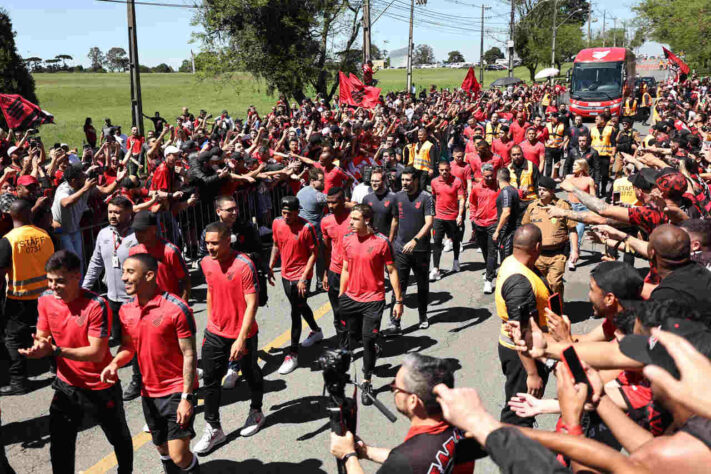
{"type": "Point", "coordinates": [429, 440]}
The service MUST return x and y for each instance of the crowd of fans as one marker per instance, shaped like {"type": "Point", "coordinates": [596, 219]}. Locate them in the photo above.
{"type": "Point", "coordinates": [531, 177]}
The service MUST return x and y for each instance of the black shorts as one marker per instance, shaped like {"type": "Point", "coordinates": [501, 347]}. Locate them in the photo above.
{"type": "Point", "coordinates": [161, 418]}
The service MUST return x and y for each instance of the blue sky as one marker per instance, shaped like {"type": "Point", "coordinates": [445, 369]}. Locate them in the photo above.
{"type": "Point", "coordinates": [45, 29]}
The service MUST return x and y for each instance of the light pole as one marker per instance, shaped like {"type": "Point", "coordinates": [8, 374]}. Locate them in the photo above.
{"type": "Point", "coordinates": [555, 27]}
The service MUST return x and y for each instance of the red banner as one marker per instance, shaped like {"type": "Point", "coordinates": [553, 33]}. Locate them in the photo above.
{"type": "Point", "coordinates": [683, 67]}
{"type": "Point", "coordinates": [352, 91]}
{"type": "Point", "coordinates": [21, 114]}
{"type": "Point", "coordinates": [470, 83]}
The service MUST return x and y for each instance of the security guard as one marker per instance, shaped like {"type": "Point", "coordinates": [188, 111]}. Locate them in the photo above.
{"type": "Point", "coordinates": [524, 177]}
{"type": "Point", "coordinates": [24, 251]}
{"type": "Point", "coordinates": [627, 142]}
{"type": "Point", "coordinates": [557, 233]}
{"type": "Point", "coordinates": [603, 141]}
{"type": "Point", "coordinates": [555, 144]}
{"type": "Point", "coordinates": [422, 156]}
{"type": "Point", "coordinates": [645, 106]}
{"type": "Point", "coordinates": [492, 129]}
{"type": "Point", "coordinates": [520, 294]}
{"type": "Point", "coordinates": [630, 107]}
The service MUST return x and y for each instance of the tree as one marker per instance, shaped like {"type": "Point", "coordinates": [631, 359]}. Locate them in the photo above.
{"type": "Point", "coordinates": [163, 67]}
{"type": "Point", "coordinates": [116, 59]}
{"type": "Point", "coordinates": [186, 66]}
{"type": "Point", "coordinates": [34, 63]}
{"type": "Point", "coordinates": [97, 58]}
{"type": "Point", "coordinates": [64, 58]}
{"type": "Point", "coordinates": [454, 57]}
{"type": "Point", "coordinates": [423, 54]}
{"type": "Point", "coordinates": [287, 44]}
{"type": "Point", "coordinates": [52, 64]}
{"type": "Point", "coordinates": [377, 53]}
{"type": "Point", "coordinates": [15, 78]}
{"type": "Point", "coordinates": [492, 54]}
{"type": "Point", "coordinates": [682, 24]}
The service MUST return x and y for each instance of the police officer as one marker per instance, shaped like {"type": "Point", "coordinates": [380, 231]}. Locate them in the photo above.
{"type": "Point", "coordinates": [24, 251]}
{"type": "Point", "coordinates": [556, 232]}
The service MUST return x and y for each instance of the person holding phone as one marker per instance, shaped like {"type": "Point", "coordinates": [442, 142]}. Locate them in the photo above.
{"type": "Point", "coordinates": [521, 293]}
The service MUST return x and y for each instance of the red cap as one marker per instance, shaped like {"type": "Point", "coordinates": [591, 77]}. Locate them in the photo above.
{"type": "Point", "coordinates": [26, 180]}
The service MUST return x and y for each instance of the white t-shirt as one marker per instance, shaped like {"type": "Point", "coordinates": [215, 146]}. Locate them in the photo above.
{"type": "Point", "coordinates": [360, 192]}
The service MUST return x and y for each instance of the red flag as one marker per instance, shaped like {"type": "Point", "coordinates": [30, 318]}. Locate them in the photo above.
{"type": "Point", "coordinates": [683, 67]}
{"type": "Point", "coordinates": [470, 83]}
{"type": "Point", "coordinates": [21, 114]}
{"type": "Point", "coordinates": [353, 92]}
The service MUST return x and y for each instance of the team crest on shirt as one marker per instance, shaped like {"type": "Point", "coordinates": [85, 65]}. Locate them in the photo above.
{"type": "Point", "coordinates": [386, 203]}
{"type": "Point", "coordinates": [80, 320]}
{"type": "Point", "coordinates": [418, 204]}
{"type": "Point", "coordinates": [230, 276]}
{"type": "Point", "coordinates": [157, 320]}
{"type": "Point", "coordinates": [371, 249]}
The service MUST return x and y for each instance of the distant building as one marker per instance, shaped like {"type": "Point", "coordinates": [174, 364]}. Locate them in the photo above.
{"type": "Point", "coordinates": [379, 63]}
{"type": "Point", "coordinates": [398, 58]}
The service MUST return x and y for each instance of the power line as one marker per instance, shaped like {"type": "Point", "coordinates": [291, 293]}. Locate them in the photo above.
{"type": "Point", "coordinates": [174, 5]}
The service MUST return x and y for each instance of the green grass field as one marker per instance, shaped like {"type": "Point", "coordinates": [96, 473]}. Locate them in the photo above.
{"type": "Point", "coordinates": [73, 97]}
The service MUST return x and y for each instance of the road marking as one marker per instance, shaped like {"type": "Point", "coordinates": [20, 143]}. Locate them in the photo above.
{"type": "Point", "coordinates": [142, 438]}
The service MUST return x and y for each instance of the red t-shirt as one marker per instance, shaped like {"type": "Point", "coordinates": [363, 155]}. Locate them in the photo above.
{"type": "Point", "coordinates": [296, 243]}
{"type": "Point", "coordinates": [475, 162]}
{"type": "Point", "coordinates": [503, 149]}
{"type": "Point", "coordinates": [134, 144]}
{"type": "Point", "coordinates": [518, 132]}
{"type": "Point", "coordinates": [335, 228]}
{"type": "Point", "coordinates": [171, 266]}
{"type": "Point", "coordinates": [155, 330]}
{"type": "Point", "coordinates": [71, 325]}
{"type": "Point", "coordinates": [334, 178]}
{"type": "Point", "coordinates": [447, 196]}
{"type": "Point", "coordinates": [163, 178]}
{"type": "Point", "coordinates": [366, 257]}
{"type": "Point", "coordinates": [533, 153]}
{"type": "Point", "coordinates": [482, 204]}
{"type": "Point", "coordinates": [227, 283]}
{"type": "Point", "coordinates": [463, 171]}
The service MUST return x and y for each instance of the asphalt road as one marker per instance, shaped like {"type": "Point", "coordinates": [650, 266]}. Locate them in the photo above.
{"type": "Point", "coordinates": [464, 326]}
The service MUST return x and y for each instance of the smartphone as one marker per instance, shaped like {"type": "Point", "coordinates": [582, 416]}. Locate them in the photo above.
{"type": "Point", "coordinates": [523, 316]}
{"type": "Point", "coordinates": [555, 304]}
{"type": "Point", "coordinates": [570, 357]}
{"type": "Point", "coordinates": [616, 196]}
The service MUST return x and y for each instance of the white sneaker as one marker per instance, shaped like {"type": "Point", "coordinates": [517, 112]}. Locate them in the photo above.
{"type": "Point", "coordinates": [291, 362]}
{"type": "Point", "coordinates": [312, 338]}
{"type": "Point", "coordinates": [448, 245]}
{"type": "Point", "coordinates": [211, 437]}
{"type": "Point", "coordinates": [455, 266]}
{"type": "Point", "coordinates": [488, 288]}
{"type": "Point", "coordinates": [571, 265]}
{"type": "Point", "coordinates": [424, 324]}
{"type": "Point", "coordinates": [435, 274]}
{"type": "Point", "coordinates": [230, 379]}
{"type": "Point", "coordinates": [145, 428]}
{"type": "Point", "coordinates": [254, 423]}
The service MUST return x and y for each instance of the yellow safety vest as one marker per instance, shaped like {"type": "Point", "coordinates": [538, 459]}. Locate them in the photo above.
{"type": "Point", "coordinates": [491, 132]}
{"type": "Point", "coordinates": [31, 248]}
{"type": "Point", "coordinates": [646, 100]}
{"type": "Point", "coordinates": [655, 115]}
{"type": "Point", "coordinates": [510, 266]}
{"type": "Point", "coordinates": [602, 142]}
{"type": "Point", "coordinates": [630, 109]}
{"type": "Point", "coordinates": [626, 190]}
{"type": "Point", "coordinates": [526, 181]}
{"type": "Point", "coordinates": [555, 137]}
{"type": "Point", "coordinates": [420, 160]}
{"type": "Point", "coordinates": [546, 100]}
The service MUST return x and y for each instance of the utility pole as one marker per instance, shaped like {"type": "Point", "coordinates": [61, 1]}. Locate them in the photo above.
{"type": "Point", "coordinates": [555, 30]}
{"type": "Point", "coordinates": [614, 32]}
{"type": "Point", "coordinates": [192, 60]}
{"type": "Point", "coordinates": [366, 30]}
{"type": "Point", "coordinates": [511, 39]}
{"type": "Point", "coordinates": [481, 49]}
{"type": "Point", "coordinates": [136, 103]}
{"type": "Point", "coordinates": [604, 20]}
{"type": "Point", "coordinates": [409, 48]}
{"type": "Point", "coordinates": [589, 21]}
{"type": "Point", "coordinates": [624, 33]}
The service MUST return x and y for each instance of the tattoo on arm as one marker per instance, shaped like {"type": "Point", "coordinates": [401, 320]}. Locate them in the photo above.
{"type": "Point", "coordinates": [187, 347]}
{"type": "Point", "coordinates": [591, 202]}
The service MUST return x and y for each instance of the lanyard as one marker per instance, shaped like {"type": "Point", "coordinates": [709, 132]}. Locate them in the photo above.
{"type": "Point", "coordinates": [117, 240]}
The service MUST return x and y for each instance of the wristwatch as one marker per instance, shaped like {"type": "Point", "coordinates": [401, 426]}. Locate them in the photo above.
{"type": "Point", "coordinates": [57, 352]}
{"type": "Point", "coordinates": [416, 240]}
{"type": "Point", "coordinates": [348, 456]}
{"type": "Point", "coordinates": [186, 396]}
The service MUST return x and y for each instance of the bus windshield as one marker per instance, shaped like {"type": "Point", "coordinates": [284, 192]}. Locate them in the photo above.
{"type": "Point", "coordinates": [598, 81]}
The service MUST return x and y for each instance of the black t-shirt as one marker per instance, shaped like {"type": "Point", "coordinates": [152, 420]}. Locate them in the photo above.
{"type": "Point", "coordinates": [383, 207]}
{"type": "Point", "coordinates": [690, 284]}
{"type": "Point", "coordinates": [431, 452]}
{"type": "Point", "coordinates": [411, 218]}
{"type": "Point", "coordinates": [508, 197]}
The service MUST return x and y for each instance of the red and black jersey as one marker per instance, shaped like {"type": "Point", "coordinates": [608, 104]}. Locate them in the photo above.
{"type": "Point", "coordinates": [647, 218]}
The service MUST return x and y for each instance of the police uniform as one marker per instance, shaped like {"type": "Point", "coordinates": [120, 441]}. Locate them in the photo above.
{"type": "Point", "coordinates": [554, 251]}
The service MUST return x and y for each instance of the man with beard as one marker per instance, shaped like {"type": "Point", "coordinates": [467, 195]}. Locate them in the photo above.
{"type": "Point", "coordinates": [448, 191]}
{"type": "Point", "coordinates": [381, 202]}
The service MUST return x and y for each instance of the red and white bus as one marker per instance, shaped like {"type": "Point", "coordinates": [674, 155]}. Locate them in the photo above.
{"type": "Point", "coordinates": [601, 78]}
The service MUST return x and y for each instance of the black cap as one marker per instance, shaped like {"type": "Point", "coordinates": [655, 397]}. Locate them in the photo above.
{"type": "Point", "coordinates": [618, 278]}
{"type": "Point", "coordinates": [144, 220]}
{"type": "Point", "coordinates": [546, 182]}
{"type": "Point", "coordinates": [649, 351]}
{"type": "Point", "coordinates": [645, 179]}
{"type": "Point", "coordinates": [290, 203]}
{"type": "Point", "coordinates": [627, 120]}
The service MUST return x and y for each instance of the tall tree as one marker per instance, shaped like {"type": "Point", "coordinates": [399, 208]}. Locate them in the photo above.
{"type": "Point", "coordinates": [492, 54]}
{"type": "Point", "coordinates": [290, 45]}
{"type": "Point", "coordinates": [116, 59]}
{"type": "Point", "coordinates": [34, 63]}
{"type": "Point", "coordinates": [185, 66]}
{"type": "Point", "coordinates": [423, 54]}
{"type": "Point", "coordinates": [454, 57]}
{"type": "Point", "coordinates": [97, 58]}
{"type": "Point", "coordinates": [15, 78]}
{"type": "Point", "coordinates": [683, 24]}
{"type": "Point", "coordinates": [163, 67]}
{"type": "Point", "coordinates": [64, 58]}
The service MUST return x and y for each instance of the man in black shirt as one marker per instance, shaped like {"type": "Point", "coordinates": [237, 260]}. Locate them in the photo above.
{"type": "Point", "coordinates": [507, 208]}
{"type": "Point", "coordinates": [431, 444]}
{"type": "Point", "coordinates": [581, 151]}
{"type": "Point", "coordinates": [158, 122]}
{"type": "Point", "coordinates": [381, 200]}
{"type": "Point", "coordinates": [411, 228]}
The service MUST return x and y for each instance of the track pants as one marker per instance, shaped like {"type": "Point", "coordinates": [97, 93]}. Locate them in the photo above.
{"type": "Point", "coordinates": [516, 382]}
{"type": "Point", "coordinates": [441, 228]}
{"type": "Point", "coordinates": [419, 263]}
{"type": "Point", "coordinates": [362, 320]}
{"type": "Point", "coordinates": [299, 307]}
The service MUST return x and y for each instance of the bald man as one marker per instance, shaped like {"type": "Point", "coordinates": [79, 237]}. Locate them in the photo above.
{"type": "Point", "coordinates": [521, 293]}
{"type": "Point", "coordinates": [683, 280]}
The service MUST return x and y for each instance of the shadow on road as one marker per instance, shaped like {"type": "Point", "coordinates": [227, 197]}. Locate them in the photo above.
{"type": "Point", "coordinates": [219, 466]}
{"type": "Point", "coordinates": [460, 314]}
{"type": "Point", "coordinates": [33, 433]}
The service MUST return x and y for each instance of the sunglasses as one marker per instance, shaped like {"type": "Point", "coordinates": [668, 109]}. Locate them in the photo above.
{"type": "Point", "coordinates": [394, 388]}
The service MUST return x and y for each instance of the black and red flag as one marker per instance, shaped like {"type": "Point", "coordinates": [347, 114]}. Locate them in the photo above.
{"type": "Point", "coordinates": [683, 67]}
{"type": "Point", "coordinates": [352, 91]}
{"type": "Point", "coordinates": [21, 114]}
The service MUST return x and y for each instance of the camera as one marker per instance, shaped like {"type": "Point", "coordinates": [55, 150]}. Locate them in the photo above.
{"type": "Point", "coordinates": [335, 364]}
{"type": "Point", "coordinates": [32, 131]}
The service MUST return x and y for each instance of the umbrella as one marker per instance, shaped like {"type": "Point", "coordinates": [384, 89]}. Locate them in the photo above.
{"type": "Point", "coordinates": [506, 81]}
{"type": "Point", "coordinates": [546, 73]}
